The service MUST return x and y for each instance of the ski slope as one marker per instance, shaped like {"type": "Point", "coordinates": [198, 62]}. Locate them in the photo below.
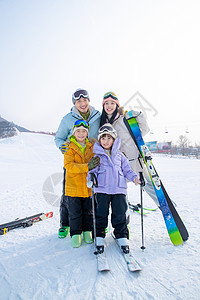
{"type": "Point", "coordinates": [35, 264]}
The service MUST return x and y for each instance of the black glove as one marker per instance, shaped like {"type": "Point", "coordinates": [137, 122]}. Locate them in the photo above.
{"type": "Point", "coordinates": [93, 163]}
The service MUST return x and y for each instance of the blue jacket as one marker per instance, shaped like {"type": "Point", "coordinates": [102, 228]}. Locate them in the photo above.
{"type": "Point", "coordinates": [65, 128]}
{"type": "Point", "coordinates": [112, 172]}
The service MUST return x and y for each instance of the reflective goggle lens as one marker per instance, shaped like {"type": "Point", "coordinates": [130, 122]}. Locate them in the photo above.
{"type": "Point", "coordinates": [81, 93]}
{"type": "Point", "coordinates": [105, 128]}
{"type": "Point", "coordinates": [83, 123]}
{"type": "Point", "coordinates": [110, 94]}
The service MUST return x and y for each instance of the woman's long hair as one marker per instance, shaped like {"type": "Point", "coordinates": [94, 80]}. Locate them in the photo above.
{"type": "Point", "coordinates": [104, 117]}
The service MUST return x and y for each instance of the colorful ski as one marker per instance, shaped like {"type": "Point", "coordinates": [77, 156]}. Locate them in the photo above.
{"type": "Point", "coordinates": [137, 208]}
{"type": "Point", "coordinates": [132, 125]}
{"type": "Point", "coordinates": [26, 222]}
{"type": "Point", "coordinates": [132, 264]}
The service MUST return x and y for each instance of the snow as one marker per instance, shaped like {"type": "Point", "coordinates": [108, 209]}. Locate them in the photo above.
{"type": "Point", "coordinates": [35, 264]}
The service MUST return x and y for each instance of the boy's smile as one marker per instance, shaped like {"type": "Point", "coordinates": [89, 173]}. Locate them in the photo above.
{"type": "Point", "coordinates": [81, 135]}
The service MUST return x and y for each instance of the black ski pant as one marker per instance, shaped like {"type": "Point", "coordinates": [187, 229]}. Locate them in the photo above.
{"type": "Point", "coordinates": [118, 214]}
{"type": "Point", "coordinates": [80, 214]}
{"type": "Point", "coordinates": [64, 216]}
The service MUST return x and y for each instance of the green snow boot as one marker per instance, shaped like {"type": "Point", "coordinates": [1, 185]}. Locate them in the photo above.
{"type": "Point", "coordinates": [76, 240]}
{"type": "Point", "coordinates": [63, 232]}
{"type": "Point", "coordinates": [87, 236]}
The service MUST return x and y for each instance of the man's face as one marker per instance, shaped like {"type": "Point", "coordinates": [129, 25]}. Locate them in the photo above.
{"type": "Point", "coordinates": [82, 105]}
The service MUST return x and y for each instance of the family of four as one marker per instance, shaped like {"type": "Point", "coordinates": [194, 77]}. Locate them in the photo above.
{"type": "Point", "coordinates": [101, 144]}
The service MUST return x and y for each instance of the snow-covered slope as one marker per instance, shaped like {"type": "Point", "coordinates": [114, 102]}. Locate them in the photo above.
{"type": "Point", "coordinates": [35, 264]}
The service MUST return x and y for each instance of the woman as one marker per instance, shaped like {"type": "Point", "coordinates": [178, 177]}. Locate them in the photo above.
{"type": "Point", "coordinates": [112, 113]}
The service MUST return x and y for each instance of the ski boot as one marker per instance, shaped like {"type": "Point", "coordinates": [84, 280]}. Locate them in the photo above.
{"type": "Point", "coordinates": [76, 240]}
{"type": "Point", "coordinates": [99, 245]}
{"type": "Point", "coordinates": [124, 245]}
{"type": "Point", "coordinates": [87, 237]}
{"type": "Point", "coordinates": [63, 232]}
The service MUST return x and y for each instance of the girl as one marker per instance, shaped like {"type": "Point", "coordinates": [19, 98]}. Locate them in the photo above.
{"type": "Point", "coordinates": [112, 113]}
{"type": "Point", "coordinates": [111, 175]}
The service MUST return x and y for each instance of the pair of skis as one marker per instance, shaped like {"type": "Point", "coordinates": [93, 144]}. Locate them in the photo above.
{"type": "Point", "coordinates": [102, 262]}
{"type": "Point", "coordinates": [175, 227]}
{"type": "Point", "coordinates": [26, 222]}
{"type": "Point", "coordinates": [103, 265]}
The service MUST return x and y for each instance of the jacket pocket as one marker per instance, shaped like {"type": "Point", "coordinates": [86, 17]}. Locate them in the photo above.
{"type": "Point", "coordinates": [101, 178]}
{"type": "Point", "coordinates": [121, 180]}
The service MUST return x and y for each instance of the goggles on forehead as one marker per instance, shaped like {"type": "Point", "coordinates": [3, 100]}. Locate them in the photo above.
{"type": "Point", "coordinates": [83, 123]}
{"type": "Point", "coordinates": [110, 94]}
{"type": "Point", "coordinates": [81, 93]}
{"type": "Point", "coordinates": [106, 128]}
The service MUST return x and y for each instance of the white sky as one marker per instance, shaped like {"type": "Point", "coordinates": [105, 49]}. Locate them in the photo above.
{"type": "Point", "coordinates": [51, 48]}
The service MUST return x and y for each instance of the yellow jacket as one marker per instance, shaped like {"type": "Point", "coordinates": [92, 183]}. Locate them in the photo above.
{"type": "Point", "coordinates": [76, 165]}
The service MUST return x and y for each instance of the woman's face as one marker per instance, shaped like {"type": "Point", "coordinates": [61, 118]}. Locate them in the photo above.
{"type": "Point", "coordinates": [109, 107]}
{"type": "Point", "coordinates": [82, 105]}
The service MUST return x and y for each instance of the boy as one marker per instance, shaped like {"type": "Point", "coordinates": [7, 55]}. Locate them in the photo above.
{"type": "Point", "coordinates": [78, 160]}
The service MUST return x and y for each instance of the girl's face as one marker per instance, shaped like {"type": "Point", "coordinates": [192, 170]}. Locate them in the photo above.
{"type": "Point", "coordinates": [109, 107]}
{"type": "Point", "coordinates": [80, 135]}
{"type": "Point", "coordinates": [82, 105]}
{"type": "Point", "coordinates": [106, 141]}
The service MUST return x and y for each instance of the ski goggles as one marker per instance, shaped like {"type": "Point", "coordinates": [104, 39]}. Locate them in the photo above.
{"type": "Point", "coordinates": [106, 128]}
{"type": "Point", "coordinates": [110, 94]}
{"type": "Point", "coordinates": [81, 93]}
{"type": "Point", "coordinates": [83, 123]}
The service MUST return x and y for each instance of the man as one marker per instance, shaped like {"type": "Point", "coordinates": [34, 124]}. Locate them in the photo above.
{"type": "Point", "coordinates": [81, 110]}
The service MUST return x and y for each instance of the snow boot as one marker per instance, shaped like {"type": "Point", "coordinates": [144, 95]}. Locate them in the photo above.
{"type": "Point", "coordinates": [87, 236]}
{"type": "Point", "coordinates": [76, 240]}
{"type": "Point", "coordinates": [124, 245]}
{"type": "Point", "coordinates": [63, 232]}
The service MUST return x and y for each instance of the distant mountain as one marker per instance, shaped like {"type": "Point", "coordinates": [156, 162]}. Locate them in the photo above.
{"type": "Point", "coordinates": [8, 129]}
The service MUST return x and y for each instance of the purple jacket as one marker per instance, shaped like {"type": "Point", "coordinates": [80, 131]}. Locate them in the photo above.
{"type": "Point", "coordinates": [112, 171]}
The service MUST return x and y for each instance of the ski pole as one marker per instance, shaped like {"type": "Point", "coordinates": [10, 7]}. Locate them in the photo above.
{"type": "Point", "coordinates": [90, 184]}
{"type": "Point", "coordinates": [141, 198]}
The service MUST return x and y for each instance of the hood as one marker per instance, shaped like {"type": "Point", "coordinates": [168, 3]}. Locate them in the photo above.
{"type": "Point", "coordinates": [97, 149]}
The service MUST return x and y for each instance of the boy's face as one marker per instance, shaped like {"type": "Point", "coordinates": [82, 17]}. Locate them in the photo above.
{"type": "Point", "coordinates": [82, 105]}
{"type": "Point", "coordinates": [110, 107]}
{"type": "Point", "coordinates": [106, 141]}
{"type": "Point", "coordinates": [80, 135]}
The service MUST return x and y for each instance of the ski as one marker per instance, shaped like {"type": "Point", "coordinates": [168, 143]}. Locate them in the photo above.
{"type": "Point", "coordinates": [137, 208]}
{"type": "Point", "coordinates": [131, 263]}
{"type": "Point", "coordinates": [102, 262]}
{"type": "Point", "coordinates": [25, 222]}
{"type": "Point", "coordinates": [171, 219]}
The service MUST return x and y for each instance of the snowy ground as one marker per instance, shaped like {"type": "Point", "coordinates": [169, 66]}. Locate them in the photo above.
{"type": "Point", "coordinates": [35, 264]}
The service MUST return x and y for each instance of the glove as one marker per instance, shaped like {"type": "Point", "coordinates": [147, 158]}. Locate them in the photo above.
{"type": "Point", "coordinates": [93, 163]}
{"type": "Point", "coordinates": [65, 147]}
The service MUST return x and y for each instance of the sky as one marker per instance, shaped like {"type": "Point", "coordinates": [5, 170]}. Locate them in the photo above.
{"type": "Point", "coordinates": [146, 48]}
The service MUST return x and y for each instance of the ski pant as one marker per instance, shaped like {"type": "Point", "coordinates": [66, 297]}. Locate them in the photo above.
{"type": "Point", "coordinates": [64, 216]}
{"type": "Point", "coordinates": [80, 214]}
{"type": "Point", "coordinates": [118, 215]}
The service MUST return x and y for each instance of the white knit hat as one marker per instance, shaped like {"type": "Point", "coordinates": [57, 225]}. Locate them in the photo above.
{"type": "Point", "coordinates": [80, 127]}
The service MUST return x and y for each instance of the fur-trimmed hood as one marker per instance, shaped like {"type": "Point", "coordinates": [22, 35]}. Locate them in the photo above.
{"type": "Point", "coordinates": [121, 110]}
